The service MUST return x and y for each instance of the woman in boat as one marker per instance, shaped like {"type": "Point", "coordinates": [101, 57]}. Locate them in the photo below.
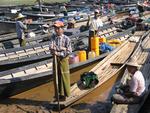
{"type": "Point", "coordinates": [21, 28]}
{"type": "Point", "coordinates": [60, 45]}
{"type": "Point", "coordinates": [95, 25]}
{"type": "Point", "coordinates": [134, 90]}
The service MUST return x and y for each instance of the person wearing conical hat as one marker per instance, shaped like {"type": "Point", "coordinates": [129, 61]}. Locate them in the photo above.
{"type": "Point", "coordinates": [60, 45]}
{"type": "Point", "coordinates": [134, 90]}
{"type": "Point", "coordinates": [21, 27]}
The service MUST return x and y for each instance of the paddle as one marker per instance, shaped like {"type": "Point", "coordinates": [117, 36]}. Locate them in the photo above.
{"type": "Point", "coordinates": [56, 77]}
{"type": "Point", "coordinates": [56, 81]}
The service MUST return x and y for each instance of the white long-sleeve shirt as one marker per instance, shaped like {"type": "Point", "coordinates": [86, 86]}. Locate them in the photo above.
{"type": "Point", "coordinates": [96, 24]}
{"type": "Point", "coordinates": [137, 83]}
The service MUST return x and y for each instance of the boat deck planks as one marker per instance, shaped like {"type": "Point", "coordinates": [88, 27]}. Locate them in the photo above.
{"type": "Point", "coordinates": [104, 70]}
{"type": "Point", "coordinates": [39, 50]}
{"type": "Point", "coordinates": [144, 60]}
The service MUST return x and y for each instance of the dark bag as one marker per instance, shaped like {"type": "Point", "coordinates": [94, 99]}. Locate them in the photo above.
{"type": "Point", "coordinates": [89, 79]}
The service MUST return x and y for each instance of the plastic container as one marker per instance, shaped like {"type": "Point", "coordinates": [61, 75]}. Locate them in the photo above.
{"type": "Point", "coordinates": [94, 43]}
{"type": "Point", "coordinates": [73, 59]}
{"type": "Point", "coordinates": [97, 53]}
{"type": "Point", "coordinates": [113, 45]}
{"type": "Point", "coordinates": [102, 40]}
{"type": "Point", "coordinates": [91, 54]}
{"type": "Point", "coordinates": [82, 56]}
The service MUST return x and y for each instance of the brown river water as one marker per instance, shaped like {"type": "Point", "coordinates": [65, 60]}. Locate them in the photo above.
{"type": "Point", "coordinates": [36, 100]}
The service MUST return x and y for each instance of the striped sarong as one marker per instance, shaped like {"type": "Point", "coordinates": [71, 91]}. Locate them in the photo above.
{"type": "Point", "coordinates": [63, 76]}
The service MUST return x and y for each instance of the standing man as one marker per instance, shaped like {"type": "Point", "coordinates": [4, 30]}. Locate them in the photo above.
{"type": "Point", "coordinates": [64, 10]}
{"type": "Point", "coordinates": [95, 25]}
{"type": "Point", "coordinates": [60, 45]}
{"type": "Point", "coordinates": [20, 29]}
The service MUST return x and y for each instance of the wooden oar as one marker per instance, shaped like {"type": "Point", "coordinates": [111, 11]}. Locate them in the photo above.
{"type": "Point", "coordinates": [56, 81]}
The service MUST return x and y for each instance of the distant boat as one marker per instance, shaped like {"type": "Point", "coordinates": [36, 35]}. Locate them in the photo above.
{"type": "Point", "coordinates": [26, 2]}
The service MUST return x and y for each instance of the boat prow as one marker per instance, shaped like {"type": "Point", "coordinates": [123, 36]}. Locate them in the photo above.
{"type": "Point", "coordinates": [105, 70]}
{"type": "Point", "coordinates": [143, 58]}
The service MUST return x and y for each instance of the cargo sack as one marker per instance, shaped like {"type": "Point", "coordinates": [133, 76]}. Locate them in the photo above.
{"type": "Point", "coordinates": [89, 79]}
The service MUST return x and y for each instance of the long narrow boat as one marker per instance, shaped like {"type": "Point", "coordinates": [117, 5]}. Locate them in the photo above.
{"type": "Point", "coordinates": [142, 54]}
{"type": "Point", "coordinates": [106, 69]}
{"type": "Point", "coordinates": [36, 74]}
{"type": "Point", "coordinates": [33, 75]}
{"type": "Point", "coordinates": [40, 37]}
{"type": "Point", "coordinates": [11, 36]}
{"type": "Point", "coordinates": [22, 56]}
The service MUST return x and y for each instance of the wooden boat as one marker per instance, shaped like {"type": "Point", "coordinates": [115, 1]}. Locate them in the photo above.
{"type": "Point", "coordinates": [22, 56]}
{"type": "Point", "coordinates": [142, 54]}
{"type": "Point", "coordinates": [40, 37]}
{"type": "Point", "coordinates": [106, 69]}
{"type": "Point", "coordinates": [36, 74]}
{"type": "Point", "coordinates": [9, 26]}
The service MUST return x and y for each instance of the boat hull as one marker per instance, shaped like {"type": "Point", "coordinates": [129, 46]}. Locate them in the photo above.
{"type": "Point", "coordinates": [14, 86]}
{"type": "Point", "coordinates": [10, 27]}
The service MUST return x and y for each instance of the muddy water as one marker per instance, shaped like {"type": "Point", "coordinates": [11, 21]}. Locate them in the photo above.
{"type": "Point", "coordinates": [32, 101]}
{"type": "Point", "coordinates": [145, 108]}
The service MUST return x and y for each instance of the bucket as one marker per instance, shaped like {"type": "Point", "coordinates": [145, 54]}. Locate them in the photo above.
{"type": "Point", "coordinates": [97, 53]}
{"type": "Point", "coordinates": [73, 59]}
{"type": "Point", "coordinates": [94, 43]}
{"type": "Point", "coordinates": [82, 56]}
{"type": "Point", "coordinates": [102, 40]}
{"type": "Point", "coordinates": [91, 54]}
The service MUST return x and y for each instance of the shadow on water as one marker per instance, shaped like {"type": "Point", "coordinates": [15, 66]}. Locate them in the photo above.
{"type": "Point", "coordinates": [18, 101]}
{"type": "Point", "coordinates": [8, 44]}
{"type": "Point", "coordinates": [98, 107]}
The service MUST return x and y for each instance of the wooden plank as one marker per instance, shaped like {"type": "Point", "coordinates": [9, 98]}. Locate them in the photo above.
{"type": "Point", "coordinates": [6, 77]}
{"type": "Point", "coordinates": [2, 55]}
{"type": "Point", "coordinates": [19, 74]}
{"type": "Point", "coordinates": [3, 58]}
{"type": "Point", "coordinates": [41, 67]}
{"type": "Point", "coordinates": [30, 71]}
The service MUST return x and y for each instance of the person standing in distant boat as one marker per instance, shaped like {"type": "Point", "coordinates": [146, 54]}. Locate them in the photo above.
{"type": "Point", "coordinates": [95, 25]}
{"type": "Point", "coordinates": [63, 9]}
{"type": "Point", "coordinates": [60, 45]}
{"type": "Point", "coordinates": [21, 28]}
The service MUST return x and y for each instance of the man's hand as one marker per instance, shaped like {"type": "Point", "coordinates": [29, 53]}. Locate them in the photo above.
{"type": "Point", "coordinates": [53, 47]}
{"type": "Point", "coordinates": [63, 48]}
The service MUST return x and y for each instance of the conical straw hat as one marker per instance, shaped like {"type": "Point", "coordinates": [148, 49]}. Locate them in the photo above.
{"type": "Point", "coordinates": [20, 16]}
{"type": "Point", "coordinates": [133, 62]}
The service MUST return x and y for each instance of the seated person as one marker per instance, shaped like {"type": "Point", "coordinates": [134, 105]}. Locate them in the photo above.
{"type": "Point", "coordinates": [71, 23]}
{"type": "Point", "coordinates": [45, 29]}
{"type": "Point", "coordinates": [71, 30]}
{"type": "Point", "coordinates": [133, 91]}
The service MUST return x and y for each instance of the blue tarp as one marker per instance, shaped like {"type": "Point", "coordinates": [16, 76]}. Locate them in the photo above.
{"type": "Point", "coordinates": [105, 47]}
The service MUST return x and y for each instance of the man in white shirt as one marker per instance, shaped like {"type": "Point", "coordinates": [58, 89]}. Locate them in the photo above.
{"type": "Point", "coordinates": [135, 88]}
{"type": "Point", "coordinates": [95, 25]}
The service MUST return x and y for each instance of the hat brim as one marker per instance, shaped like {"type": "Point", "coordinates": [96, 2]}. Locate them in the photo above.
{"type": "Point", "coordinates": [45, 26]}
{"type": "Point", "coordinates": [57, 25]}
{"type": "Point", "coordinates": [20, 17]}
{"type": "Point", "coordinates": [134, 65]}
